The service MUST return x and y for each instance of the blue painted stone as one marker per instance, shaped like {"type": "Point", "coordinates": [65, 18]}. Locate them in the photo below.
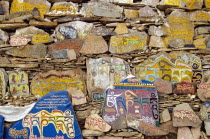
{"type": "Point", "coordinates": [51, 118]}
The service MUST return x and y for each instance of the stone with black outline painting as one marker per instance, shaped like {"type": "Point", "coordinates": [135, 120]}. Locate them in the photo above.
{"type": "Point", "coordinates": [183, 115]}
{"type": "Point", "coordinates": [95, 122]}
{"type": "Point", "coordinates": [133, 97]}
{"type": "Point", "coordinates": [52, 117]}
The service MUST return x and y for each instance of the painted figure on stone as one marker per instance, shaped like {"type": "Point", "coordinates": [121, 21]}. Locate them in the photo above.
{"type": "Point", "coordinates": [174, 67]}
{"type": "Point", "coordinates": [136, 99]}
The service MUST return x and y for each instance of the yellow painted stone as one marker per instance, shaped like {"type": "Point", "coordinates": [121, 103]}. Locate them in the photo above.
{"type": "Point", "coordinates": [44, 83]}
{"type": "Point", "coordinates": [129, 13]}
{"type": "Point", "coordinates": [200, 43]}
{"type": "Point", "coordinates": [193, 4]}
{"type": "Point", "coordinates": [38, 38]}
{"type": "Point", "coordinates": [173, 2]}
{"type": "Point", "coordinates": [207, 3]}
{"type": "Point", "coordinates": [18, 6]}
{"type": "Point", "coordinates": [174, 67]}
{"type": "Point", "coordinates": [121, 29]}
{"type": "Point", "coordinates": [200, 16]}
{"type": "Point", "coordinates": [66, 7]}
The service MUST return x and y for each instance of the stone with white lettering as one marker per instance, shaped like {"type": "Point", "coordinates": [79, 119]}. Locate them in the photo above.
{"type": "Point", "coordinates": [183, 115]}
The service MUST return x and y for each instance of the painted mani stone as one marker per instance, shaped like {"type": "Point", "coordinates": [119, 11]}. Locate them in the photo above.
{"type": "Point", "coordinates": [184, 88]}
{"type": "Point", "coordinates": [18, 82]}
{"type": "Point", "coordinates": [128, 42]}
{"type": "Point", "coordinates": [44, 83]}
{"type": "Point", "coordinates": [174, 67]}
{"type": "Point", "coordinates": [64, 8]}
{"type": "Point", "coordinates": [51, 117]}
{"type": "Point", "coordinates": [28, 5]}
{"type": "Point", "coordinates": [103, 72]}
{"type": "Point", "coordinates": [139, 100]}
{"type": "Point", "coordinates": [3, 83]}
{"type": "Point", "coordinates": [190, 4]}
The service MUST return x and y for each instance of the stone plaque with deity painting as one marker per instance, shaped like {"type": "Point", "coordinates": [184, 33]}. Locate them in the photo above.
{"type": "Point", "coordinates": [3, 83]}
{"type": "Point", "coordinates": [46, 82]}
{"type": "Point", "coordinates": [18, 82]}
{"type": "Point", "coordinates": [103, 72]}
{"type": "Point", "coordinates": [139, 100]}
{"type": "Point", "coordinates": [174, 67]}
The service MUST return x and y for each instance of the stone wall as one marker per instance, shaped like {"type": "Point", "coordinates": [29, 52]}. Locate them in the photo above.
{"type": "Point", "coordinates": [86, 46]}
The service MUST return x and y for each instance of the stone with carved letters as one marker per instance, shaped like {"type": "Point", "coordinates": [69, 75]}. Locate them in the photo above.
{"type": "Point", "coordinates": [163, 86]}
{"type": "Point", "coordinates": [95, 122]}
{"type": "Point", "coordinates": [119, 123]}
{"type": "Point", "coordinates": [94, 45]}
{"type": "Point", "coordinates": [184, 88]}
{"type": "Point", "coordinates": [145, 128]}
{"type": "Point", "coordinates": [184, 133]}
{"type": "Point", "coordinates": [183, 115]}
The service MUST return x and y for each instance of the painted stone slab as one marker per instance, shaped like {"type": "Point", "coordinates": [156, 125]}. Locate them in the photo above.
{"type": "Point", "coordinates": [204, 86]}
{"type": "Point", "coordinates": [1, 126]}
{"type": "Point", "coordinates": [44, 83]}
{"type": "Point", "coordinates": [128, 42]}
{"type": "Point", "coordinates": [207, 3]}
{"type": "Point", "coordinates": [64, 8]}
{"type": "Point", "coordinates": [18, 82]}
{"type": "Point", "coordinates": [180, 27]}
{"type": "Point", "coordinates": [28, 5]}
{"type": "Point", "coordinates": [195, 4]}
{"type": "Point", "coordinates": [3, 83]}
{"type": "Point", "coordinates": [32, 51]}
{"type": "Point", "coordinates": [183, 115]}
{"type": "Point", "coordinates": [60, 49]}
{"type": "Point", "coordinates": [102, 9]}
{"type": "Point", "coordinates": [199, 16]}
{"type": "Point", "coordinates": [174, 67]}
{"type": "Point", "coordinates": [39, 38]}
{"type": "Point", "coordinates": [103, 72]}
{"type": "Point", "coordinates": [82, 30]}
{"type": "Point", "coordinates": [139, 100]}
{"type": "Point", "coordinates": [51, 117]}
{"type": "Point", "coordinates": [18, 40]}
{"type": "Point", "coordinates": [184, 88]}
{"type": "Point", "coordinates": [95, 122]}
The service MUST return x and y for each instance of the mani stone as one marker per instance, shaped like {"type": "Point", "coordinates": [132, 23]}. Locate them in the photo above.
{"type": "Point", "coordinates": [31, 51]}
{"type": "Point", "coordinates": [130, 13]}
{"type": "Point", "coordinates": [45, 82]}
{"type": "Point", "coordinates": [16, 40]}
{"type": "Point", "coordinates": [94, 45]}
{"type": "Point", "coordinates": [102, 31]}
{"type": "Point", "coordinates": [77, 96]}
{"type": "Point", "coordinates": [35, 34]}
{"type": "Point", "coordinates": [163, 86]}
{"type": "Point", "coordinates": [144, 127]}
{"type": "Point", "coordinates": [165, 116]}
{"type": "Point", "coordinates": [128, 42]}
{"type": "Point", "coordinates": [103, 72]}
{"type": "Point", "coordinates": [199, 16]}
{"type": "Point", "coordinates": [207, 127]}
{"type": "Point", "coordinates": [61, 49]}
{"type": "Point", "coordinates": [4, 36]}
{"type": "Point", "coordinates": [103, 9]}
{"type": "Point", "coordinates": [156, 41]}
{"type": "Point", "coordinates": [207, 3]}
{"type": "Point", "coordinates": [29, 5]}
{"type": "Point", "coordinates": [95, 122]}
{"type": "Point", "coordinates": [156, 31]}
{"type": "Point", "coordinates": [147, 12]}
{"type": "Point", "coordinates": [179, 27]}
{"type": "Point", "coordinates": [64, 8]}
{"type": "Point", "coordinates": [82, 30]}
{"type": "Point", "coordinates": [195, 4]}
{"type": "Point", "coordinates": [119, 123]}
{"type": "Point", "coordinates": [200, 43]}
{"type": "Point", "coordinates": [184, 133]}
{"type": "Point", "coordinates": [183, 115]}
{"type": "Point", "coordinates": [150, 2]}
{"type": "Point", "coordinates": [91, 133]}
{"type": "Point", "coordinates": [121, 29]}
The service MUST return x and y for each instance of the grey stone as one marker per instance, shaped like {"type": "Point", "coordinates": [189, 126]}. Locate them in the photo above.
{"type": "Point", "coordinates": [147, 12]}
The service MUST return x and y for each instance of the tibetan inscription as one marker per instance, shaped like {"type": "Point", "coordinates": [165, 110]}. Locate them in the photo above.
{"type": "Point", "coordinates": [174, 67]}
{"type": "Point", "coordinates": [44, 83]}
{"type": "Point", "coordinates": [184, 88]}
{"type": "Point", "coordinates": [38, 38]}
{"type": "Point", "coordinates": [103, 72]}
{"type": "Point", "coordinates": [138, 100]}
{"type": "Point", "coordinates": [128, 42]}
{"type": "Point", "coordinates": [180, 27]}
{"type": "Point", "coordinates": [18, 82]}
